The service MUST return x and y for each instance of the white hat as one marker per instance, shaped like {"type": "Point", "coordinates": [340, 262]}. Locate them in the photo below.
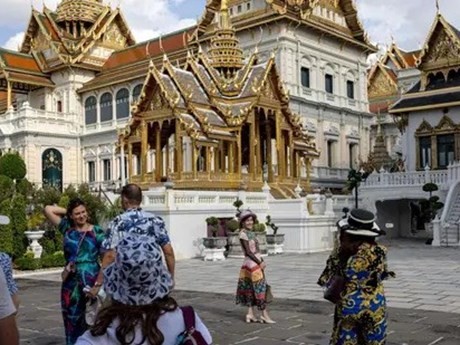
{"type": "Point", "coordinates": [4, 220]}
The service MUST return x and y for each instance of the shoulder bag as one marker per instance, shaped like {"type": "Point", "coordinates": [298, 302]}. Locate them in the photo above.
{"type": "Point", "coordinates": [191, 336]}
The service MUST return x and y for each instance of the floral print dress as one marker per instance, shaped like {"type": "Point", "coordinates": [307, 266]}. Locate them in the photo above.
{"type": "Point", "coordinates": [361, 315]}
{"type": "Point", "coordinates": [86, 259]}
{"type": "Point", "coordinates": [252, 287]}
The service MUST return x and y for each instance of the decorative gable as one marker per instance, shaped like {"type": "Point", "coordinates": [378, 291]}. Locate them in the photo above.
{"type": "Point", "coordinates": [445, 125]}
{"type": "Point", "coordinates": [424, 128]}
{"type": "Point", "coordinates": [381, 84]}
{"type": "Point", "coordinates": [442, 47]}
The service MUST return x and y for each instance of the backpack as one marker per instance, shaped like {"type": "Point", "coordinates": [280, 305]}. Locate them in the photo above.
{"type": "Point", "coordinates": [190, 336]}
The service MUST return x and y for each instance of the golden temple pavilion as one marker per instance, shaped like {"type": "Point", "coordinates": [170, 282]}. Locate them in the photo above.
{"type": "Point", "coordinates": [219, 122]}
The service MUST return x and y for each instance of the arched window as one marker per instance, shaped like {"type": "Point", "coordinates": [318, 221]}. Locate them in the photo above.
{"type": "Point", "coordinates": [122, 101]}
{"type": "Point", "coordinates": [106, 107]}
{"type": "Point", "coordinates": [137, 92]}
{"type": "Point", "coordinates": [59, 106]}
{"type": "Point", "coordinates": [52, 169]}
{"type": "Point", "coordinates": [90, 110]}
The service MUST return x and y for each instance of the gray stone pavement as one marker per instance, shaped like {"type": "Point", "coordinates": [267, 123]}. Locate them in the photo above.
{"type": "Point", "coordinates": [299, 322]}
{"type": "Point", "coordinates": [424, 299]}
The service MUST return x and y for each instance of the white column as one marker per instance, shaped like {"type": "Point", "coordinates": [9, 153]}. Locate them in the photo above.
{"type": "Point", "coordinates": [122, 163]}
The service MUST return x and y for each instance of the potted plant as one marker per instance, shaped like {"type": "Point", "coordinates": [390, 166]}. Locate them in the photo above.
{"type": "Point", "coordinates": [214, 246]}
{"type": "Point", "coordinates": [233, 239]}
{"type": "Point", "coordinates": [275, 241]}
{"type": "Point", "coordinates": [34, 221]}
{"type": "Point", "coordinates": [431, 206]}
{"type": "Point", "coordinates": [261, 235]}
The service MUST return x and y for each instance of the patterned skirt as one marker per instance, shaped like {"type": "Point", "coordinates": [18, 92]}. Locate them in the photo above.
{"type": "Point", "coordinates": [252, 286]}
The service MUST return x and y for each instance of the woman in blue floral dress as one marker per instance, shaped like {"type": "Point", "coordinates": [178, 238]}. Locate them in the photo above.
{"type": "Point", "coordinates": [360, 315]}
{"type": "Point", "coordinates": [82, 251]}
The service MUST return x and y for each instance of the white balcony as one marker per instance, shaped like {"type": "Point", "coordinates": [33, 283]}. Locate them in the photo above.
{"type": "Point", "coordinates": [36, 120]}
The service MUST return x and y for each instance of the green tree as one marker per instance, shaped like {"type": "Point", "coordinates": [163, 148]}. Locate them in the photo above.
{"type": "Point", "coordinates": [6, 188]}
{"type": "Point", "coordinates": [13, 166]}
{"type": "Point", "coordinates": [354, 181]}
{"type": "Point", "coordinates": [19, 225]}
{"type": "Point", "coordinates": [25, 188]}
{"type": "Point", "coordinates": [6, 231]}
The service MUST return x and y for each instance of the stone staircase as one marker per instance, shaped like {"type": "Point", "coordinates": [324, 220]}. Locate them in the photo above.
{"type": "Point", "coordinates": [451, 229]}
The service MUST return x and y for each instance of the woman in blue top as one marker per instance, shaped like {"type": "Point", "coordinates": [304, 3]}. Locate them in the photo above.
{"type": "Point", "coordinates": [7, 267]}
{"type": "Point", "coordinates": [82, 251]}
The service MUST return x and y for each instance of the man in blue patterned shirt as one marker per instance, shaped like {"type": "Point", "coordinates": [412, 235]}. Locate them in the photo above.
{"type": "Point", "coordinates": [135, 220]}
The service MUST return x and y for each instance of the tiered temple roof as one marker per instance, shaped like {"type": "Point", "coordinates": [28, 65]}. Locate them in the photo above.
{"type": "Point", "coordinates": [439, 62]}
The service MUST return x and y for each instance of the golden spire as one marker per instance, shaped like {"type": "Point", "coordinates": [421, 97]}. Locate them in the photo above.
{"type": "Point", "coordinates": [225, 52]}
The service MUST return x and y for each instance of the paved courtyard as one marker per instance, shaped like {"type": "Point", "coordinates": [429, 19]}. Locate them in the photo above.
{"type": "Point", "coordinates": [424, 300]}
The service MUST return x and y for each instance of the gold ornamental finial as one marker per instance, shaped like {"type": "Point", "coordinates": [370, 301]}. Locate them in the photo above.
{"type": "Point", "coordinates": [437, 7]}
{"type": "Point", "coordinates": [225, 53]}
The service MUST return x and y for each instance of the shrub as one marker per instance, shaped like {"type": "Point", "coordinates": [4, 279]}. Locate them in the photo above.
{"type": "Point", "coordinates": [259, 227]}
{"type": "Point", "coordinates": [27, 262]}
{"type": "Point", "coordinates": [6, 187]}
{"type": "Point", "coordinates": [13, 166]}
{"type": "Point", "coordinates": [19, 225]}
{"type": "Point", "coordinates": [269, 222]}
{"type": "Point", "coordinates": [24, 187]}
{"type": "Point", "coordinates": [213, 224]}
{"type": "Point", "coordinates": [54, 260]}
{"type": "Point", "coordinates": [232, 225]}
{"type": "Point", "coordinates": [6, 231]}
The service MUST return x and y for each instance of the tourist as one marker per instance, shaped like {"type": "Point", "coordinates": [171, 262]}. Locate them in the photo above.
{"type": "Point", "coordinates": [136, 220]}
{"type": "Point", "coordinates": [360, 313]}
{"type": "Point", "coordinates": [7, 266]}
{"type": "Point", "coordinates": [141, 311]}
{"type": "Point", "coordinates": [82, 251]}
{"type": "Point", "coordinates": [252, 285]}
{"type": "Point", "coordinates": [9, 334]}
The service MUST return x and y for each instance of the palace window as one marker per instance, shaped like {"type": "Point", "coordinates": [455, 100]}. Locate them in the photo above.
{"type": "Point", "coordinates": [425, 151]}
{"type": "Point", "coordinates": [330, 153]}
{"type": "Point", "coordinates": [350, 89]}
{"type": "Point", "coordinates": [106, 107]}
{"type": "Point", "coordinates": [90, 110]}
{"type": "Point", "coordinates": [122, 101]}
{"type": "Point", "coordinates": [106, 168]}
{"type": "Point", "coordinates": [446, 150]}
{"type": "Point", "coordinates": [352, 154]}
{"type": "Point", "coordinates": [305, 76]}
{"type": "Point", "coordinates": [59, 106]}
{"type": "Point", "coordinates": [329, 83]}
{"type": "Point", "coordinates": [137, 92]}
{"type": "Point", "coordinates": [240, 8]}
{"type": "Point", "coordinates": [91, 172]}
{"type": "Point", "coordinates": [248, 6]}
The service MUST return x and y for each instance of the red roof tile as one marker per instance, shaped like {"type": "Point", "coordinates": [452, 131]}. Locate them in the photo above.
{"type": "Point", "coordinates": [170, 43]}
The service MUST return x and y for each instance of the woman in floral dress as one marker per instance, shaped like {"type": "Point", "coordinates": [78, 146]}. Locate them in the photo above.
{"type": "Point", "coordinates": [361, 315]}
{"type": "Point", "coordinates": [252, 286]}
{"type": "Point", "coordinates": [82, 251]}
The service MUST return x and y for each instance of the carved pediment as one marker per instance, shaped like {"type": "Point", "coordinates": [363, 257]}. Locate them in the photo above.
{"type": "Point", "coordinates": [114, 37]}
{"type": "Point", "coordinates": [424, 128]}
{"type": "Point", "coordinates": [268, 91]}
{"type": "Point", "coordinates": [158, 102]}
{"type": "Point", "coordinates": [381, 85]}
{"type": "Point", "coordinates": [446, 124]}
{"type": "Point", "coordinates": [442, 47]}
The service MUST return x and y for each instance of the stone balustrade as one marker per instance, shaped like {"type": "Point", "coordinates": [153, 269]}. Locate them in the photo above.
{"type": "Point", "coordinates": [413, 178]}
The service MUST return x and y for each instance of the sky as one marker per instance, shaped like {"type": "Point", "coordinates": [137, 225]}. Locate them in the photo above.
{"type": "Point", "coordinates": [406, 21]}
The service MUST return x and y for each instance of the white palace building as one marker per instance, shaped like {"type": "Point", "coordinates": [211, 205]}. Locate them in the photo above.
{"type": "Point", "coordinates": [70, 88]}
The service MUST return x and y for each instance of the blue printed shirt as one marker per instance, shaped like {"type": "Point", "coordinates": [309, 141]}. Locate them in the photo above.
{"type": "Point", "coordinates": [135, 221]}
{"type": "Point", "coordinates": [7, 267]}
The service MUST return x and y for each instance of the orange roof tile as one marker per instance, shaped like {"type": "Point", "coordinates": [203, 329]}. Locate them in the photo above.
{"type": "Point", "coordinates": [170, 43]}
{"type": "Point", "coordinates": [18, 61]}
{"type": "Point", "coordinates": [411, 57]}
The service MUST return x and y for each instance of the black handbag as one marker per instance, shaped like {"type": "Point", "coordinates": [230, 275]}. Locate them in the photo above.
{"type": "Point", "coordinates": [334, 290]}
